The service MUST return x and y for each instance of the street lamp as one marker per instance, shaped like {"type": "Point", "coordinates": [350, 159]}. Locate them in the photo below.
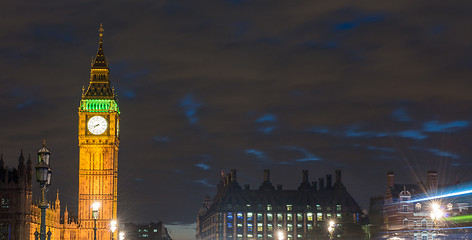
{"type": "Point", "coordinates": [436, 214]}
{"type": "Point", "coordinates": [280, 235]}
{"type": "Point", "coordinates": [331, 226]}
{"type": "Point", "coordinates": [95, 207]}
{"type": "Point", "coordinates": [113, 224]}
{"type": "Point", "coordinates": [122, 235]}
{"type": "Point", "coordinates": [43, 176]}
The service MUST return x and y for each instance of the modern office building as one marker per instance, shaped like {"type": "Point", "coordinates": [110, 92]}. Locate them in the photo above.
{"type": "Point", "coordinates": [263, 213]}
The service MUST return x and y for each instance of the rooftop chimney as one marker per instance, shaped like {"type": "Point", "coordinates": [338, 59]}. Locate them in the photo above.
{"type": "Point", "coordinates": [304, 175]}
{"type": "Point", "coordinates": [328, 181]}
{"type": "Point", "coordinates": [321, 181]}
{"type": "Point", "coordinates": [390, 179]}
{"type": "Point", "coordinates": [338, 176]}
{"type": "Point", "coordinates": [315, 185]}
{"type": "Point", "coordinates": [233, 175]}
{"type": "Point", "coordinates": [266, 175]}
{"type": "Point", "coordinates": [432, 180]}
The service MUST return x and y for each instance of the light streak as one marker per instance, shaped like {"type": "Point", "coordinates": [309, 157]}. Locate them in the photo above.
{"type": "Point", "coordinates": [446, 195]}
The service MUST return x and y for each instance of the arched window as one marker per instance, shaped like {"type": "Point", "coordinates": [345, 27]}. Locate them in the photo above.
{"type": "Point", "coordinates": [449, 206]}
{"type": "Point", "coordinates": [423, 223]}
{"type": "Point", "coordinates": [405, 222]}
{"type": "Point", "coordinates": [418, 207]}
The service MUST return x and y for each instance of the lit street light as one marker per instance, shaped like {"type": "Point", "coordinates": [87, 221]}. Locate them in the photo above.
{"type": "Point", "coordinates": [280, 235]}
{"type": "Point", "coordinates": [331, 226]}
{"type": "Point", "coordinates": [43, 176]}
{"type": "Point", "coordinates": [122, 235]}
{"type": "Point", "coordinates": [95, 207]}
{"type": "Point", "coordinates": [113, 227]}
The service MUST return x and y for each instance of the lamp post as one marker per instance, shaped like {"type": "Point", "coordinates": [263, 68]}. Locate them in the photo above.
{"type": "Point", "coordinates": [122, 235]}
{"type": "Point", "coordinates": [331, 226]}
{"type": "Point", "coordinates": [43, 176]}
{"type": "Point", "coordinates": [95, 207]}
{"type": "Point", "coordinates": [113, 224]}
{"type": "Point", "coordinates": [436, 214]}
{"type": "Point", "coordinates": [280, 235]}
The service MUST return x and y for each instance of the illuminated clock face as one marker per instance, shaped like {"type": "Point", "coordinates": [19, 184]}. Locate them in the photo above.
{"type": "Point", "coordinates": [97, 125]}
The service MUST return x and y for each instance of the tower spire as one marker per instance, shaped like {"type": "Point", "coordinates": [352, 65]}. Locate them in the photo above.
{"type": "Point", "coordinates": [100, 60]}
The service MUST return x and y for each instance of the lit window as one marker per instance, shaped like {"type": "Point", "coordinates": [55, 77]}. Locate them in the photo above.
{"type": "Point", "coordinates": [139, 230]}
{"type": "Point", "coordinates": [240, 215]}
{"type": "Point", "coordinates": [270, 217]}
{"type": "Point", "coordinates": [319, 217]}
{"type": "Point", "coordinates": [299, 236]}
{"type": "Point", "coordinates": [299, 226]}
{"type": "Point", "coordinates": [338, 215]}
{"type": "Point", "coordinates": [239, 225]}
{"type": "Point", "coordinates": [145, 230]}
{"type": "Point", "coordinates": [249, 236]}
{"type": "Point", "coordinates": [145, 235]}
{"type": "Point", "coordinates": [289, 227]}
{"type": "Point", "coordinates": [270, 227]}
{"type": "Point", "coordinates": [418, 206]}
{"type": "Point", "coordinates": [449, 206]}
{"type": "Point", "coordinates": [230, 225]}
{"type": "Point", "coordinates": [269, 236]}
{"type": "Point", "coordinates": [259, 227]}
{"type": "Point", "coordinates": [318, 207]}
{"type": "Point", "coordinates": [269, 207]}
{"type": "Point", "coordinates": [279, 226]}
{"type": "Point", "coordinates": [299, 217]}
{"type": "Point", "coordinates": [338, 208]}
{"type": "Point", "coordinates": [289, 207]}
{"type": "Point", "coordinates": [249, 227]}
{"type": "Point", "coordinates": [280, 217]}
{"type": "Point", "coordinates": [240, 235]}
{"type": "Point", "coordinates": [289, 217]}
{"type": "Point", "coordinates": [230, 215]}
{"type": "Point", "coordinates": [309, 226]}
{"type": "Point", "coordinates": [249, 216]}
{"type": "Point", "coordinates": [309, 216]}
{"type": "Point", "coordinates": [328, 215]}
{"type": "Point", "coordinates": [308, 207]}
{"type": "Point", "coordinates": [248, 205]}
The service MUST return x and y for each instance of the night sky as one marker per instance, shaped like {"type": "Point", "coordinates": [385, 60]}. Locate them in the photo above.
{"type": "Point", "coordinates": [209, 85]}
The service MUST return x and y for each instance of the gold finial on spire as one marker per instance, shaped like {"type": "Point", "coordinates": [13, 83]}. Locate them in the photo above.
{"type": "Point", "coordinates": [101, 30]}
{"type": "Point", "coordinates": [44, 142]}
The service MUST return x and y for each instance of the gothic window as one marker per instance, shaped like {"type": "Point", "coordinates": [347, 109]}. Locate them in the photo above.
{"type": "Point", "coordinates": [423, 223]}
{"type": "Point", "coordinates": [405, 208]}
{"type": "Point", "coordinates": [405, 222]}
{"type": "Point", "coordinates": [289, 207]}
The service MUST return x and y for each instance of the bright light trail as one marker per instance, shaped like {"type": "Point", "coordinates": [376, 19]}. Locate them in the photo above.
{"type": "Point", "coordinates": [451, 194]}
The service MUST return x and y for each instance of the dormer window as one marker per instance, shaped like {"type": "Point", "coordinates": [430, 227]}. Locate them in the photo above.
{"type": "Point", "coordinates": [418, 207]}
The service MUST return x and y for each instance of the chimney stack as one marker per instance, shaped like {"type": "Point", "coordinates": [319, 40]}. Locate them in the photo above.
{"type": "Point", "coordinates": [321, 181]}
{"type": "Point", "coordinates": [432, 180]}
{"type": "Point", "coordinates": [390, 179]}
{"type": "Point", "coordinates": [233, 175]}
{"type": "Point", "coordinates": [338, 176]}
{"type": "Point", "coordinates": [315, 185]}
{"type": "Point", "coordinates": [266, 175]}
{"type": "Point", "coordinates": [304, 175]}
{"type": "Point", "coordinates": [328, 181]}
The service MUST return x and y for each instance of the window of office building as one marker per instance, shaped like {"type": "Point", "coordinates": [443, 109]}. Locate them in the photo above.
{"type": "Point", "coordinates": [259, 217]}
{"type": "Point", "coordinates": [289, 227]}
{"type": "Point", "coordinates": [289, 217]}
{"type": "Point", "coordinates": [249, 216]}
{"type": "Point", "coordinates": [270, 227]}
{"type": "Point", "coordinates": [309, 226]}
{"type": "Point", "coordinates": [338, 208]}
{"type": "Point", "coordinates": [299, 226]}
{"type": "Point", "coordinates": [289, 207]}
{"type": "Point", "coordinates": [318, 207]}
{"type": "Point", "coordinates": [269, 207]}
{"type": "Point", "coordinates": [319, 217]}
{"type": "Point", "coordinates": [239, 215]}
{"type": "Point", "coordinates": [270, 217]}
{"type": "Point", "coordinates": [260, 227]}
{"type": "Point", "coordinates": [249, 227]}
{"type": "Point", "coordinates": [309, 216]}
{"type": "Point", "coordinates": [280, 217]}
{"type": "Point", "coordinates": [299, 217]}
{"type": "Point", "coordinates": [230, 216]}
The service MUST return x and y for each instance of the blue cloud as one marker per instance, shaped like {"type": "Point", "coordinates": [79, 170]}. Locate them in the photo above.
{"type": "Point", "coordinates": [203, 166]}
{"type": "Point", "coordinates": [204, 182]}
{"type": "Point", "coordinates": [190, 106]}
{"type": "Point", "coordinates": [267, 118]}
{"type": "Point", "coordinates": [438, 152]}
{"type": "Point", "coordinates": [435, 126]}
{"type": "Point", "coordinates": [259, 154]}
{"type": "Point", "coordinates": [308, 155]}
{"type": "Point", "coordinates": [401, 115]}
{"type": "Point", "coordinates": [374, 148]}
{"type": "Point", "coordinates": [129, 94]}
{"type": "Point", "coordinates": [352, 132]}
{"type": "Point", "coordinates": [414, 134]}
{"type": "Point", "coordinates": [267, 129]}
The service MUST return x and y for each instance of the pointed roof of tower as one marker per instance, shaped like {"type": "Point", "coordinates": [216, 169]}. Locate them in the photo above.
{"type": "Point", "coordinates": [100, 61]}
{"type": "Point", "coordinates": [99, 87]}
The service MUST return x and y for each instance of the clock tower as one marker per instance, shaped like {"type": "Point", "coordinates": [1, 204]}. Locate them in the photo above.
{"type": "Point", "coordinates": [99, 119]}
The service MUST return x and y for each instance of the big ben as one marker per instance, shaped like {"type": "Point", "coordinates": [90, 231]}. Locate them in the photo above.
{"type": "Point", "coordinates": [99, 119]}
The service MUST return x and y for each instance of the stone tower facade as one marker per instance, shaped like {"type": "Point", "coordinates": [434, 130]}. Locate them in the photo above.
{"type": "Point", "coordinates": [99, 119]}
